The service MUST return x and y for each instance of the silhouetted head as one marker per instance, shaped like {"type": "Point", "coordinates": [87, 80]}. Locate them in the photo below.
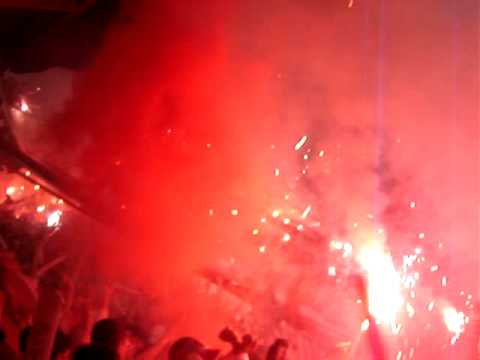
{"type": "Point", "coordinates": [278, 350]}
{"type": "Point", "coordinates": [108, 333]}
{"type": "Point", "coordinates": [188, 348]}
{"type": "Point", "coordinates": [94, 352]}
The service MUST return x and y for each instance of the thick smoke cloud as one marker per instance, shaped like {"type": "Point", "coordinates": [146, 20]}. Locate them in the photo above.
{"type": "Point", "coordinates": [191, 106]}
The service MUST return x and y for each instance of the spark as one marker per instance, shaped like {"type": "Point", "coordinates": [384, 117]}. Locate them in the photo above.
{"type": "Point", "coordinates": [412, 204]}
{"type": "Point", "coordinates": [255, 232]}
{"type": "Point", "coordinates": [364, 325]}
{"type": "Point", "coordinates": [10, 190]}
{"type": "Point", "coordinates": [263, 220]}
{"type": "Point", "coordinates": [444, 281]}
{"type": "Point", "coordinates": [286, 238]}
{"type": "Point", "coordinates": [234, 212]}
{"type": "Point", "coordinates": [421, 235]}
{"type": "Point", "coordinates": [54, 218]}
{"type": "Point", "coordinates": [418, 251]}
{"type": "Point", "coordinates": [454, 321]}
{"type": "Point", "coordinates": [262, 249]}
{"type": "Point", "coordinates": [301, 142]}
{"type": "Point", "coordinates": [275, 213]}
{"type": "Point", "coordinates": [210, 212]}
{"type": "Point", "coordinates": [286, 221]}
{"type": "Point", "coordinates": [306, 211]}
{"type": "Point", "coordinates": [28, 173]}
{"type": "Point", "coordinates": [321, 153]}
{"type": "Point", "coordinates": [36, 187]}
{"type": "Point", "coordinates": [277, 172]}
{"type": "Point", "coordinates": [305, 157]}
{"type": "Point", "coordinates": [24, 106]}
{"type": "Point", "coordinates": [41, 208]}
{"type": "Point", "coordinates": [431, 305]}
{"type": "Point", "coordinates": [434, 268]}
{"type": "Point", "coordinates": [332, 271]}
{"type": "Point", "coordinates": [350, 3]}
{"type": "Point", "coordinates": [300, 227]}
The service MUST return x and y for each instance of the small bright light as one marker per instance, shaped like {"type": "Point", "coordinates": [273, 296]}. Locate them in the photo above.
{"type": "Point", "coordinates": [305, 157]}
{"type": "Point", "coordinates": [365, 325]}
{"type": "Point", "coordinates": [300, 227]}
{"type": "Point", "coordinates": [41, 208]}
{"type": "Point", "coordinates": [286, 237]}
{"type": "Point", "coordinates": [418, 251]}
{"type": "Point", "coordinates": [277, 172]}
{"type": "Point", "coordinates": [255, 232]}
{"type": "Point", "coordinates": [262, 249]}
{"type": "Point", "coordinates": [455, 321]}
{"type": "Point", "coordinates": [434, 268]}
{"type": "Point", "coordinates": [24, 106]}
{"type": "Point", "coordinates": [306, 211]}
{"type": "Point", "coordinates": [28, 173]}
{"type": "Point", "coordinates": [321, 153]}
{"type": "Point", "coordinates": [412, 204]}
{"type": "Point", "coordinates": [421, 235]}
{"type": "Point", "coordinates": [444, 281]}
{"type": "Point", "coordinates": [36, 187]}
{"type": "Point", "coordinates": [410, 310]}
{"type": "Point", "coordinates": [210, 212]}
{"type": "Point", "coordinates": [301, 142]}
{"type": "Point", "coordinates": [54, 218]}
{"type": "Point", "coordinates": [286, 221]}
{"type": "Point", "coordinates": [431, 305]}
{"type": "Point", "coordinates": [10, 190]}
{"type": "Point", "coordinates": [275, 213]}
{"type": "Point", "coordinates": [332, 271]}
{"type": "Point", "coordinates": [234, 212]}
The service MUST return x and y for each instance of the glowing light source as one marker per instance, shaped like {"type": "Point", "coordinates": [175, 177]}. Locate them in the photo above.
{"type": "Point", "coordinates": [306, 211]}
{"type": "Point", "coordinates": [54, 218]}
{"type": "Point", "coordinates": [454, 321]}
{"type": "Point", "coordinates": [41, 208]}
{"type": "Point", "coordinates": [384, 294]}
{"type": "Point", "coordinates": [286, 237]}
{"type": "Point", "coordinates": [234, 212]}
{"type": "Point", "coordinates": [275, 213]}
{"type": "Point", "coordinates": [262, 249]}
{"type": "Point", "coordinates": [24, 106]}
{"type": "Point", "coordinates": [10, 190]}
{"type": "Point", "coordinates": [412, 204]}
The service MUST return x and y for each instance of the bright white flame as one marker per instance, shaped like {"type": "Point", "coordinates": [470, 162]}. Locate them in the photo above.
{"type": "Point", "coordinates": [54, 218]}
{"type": "Point", "coordinates": [301, 142]}
{"type": "Point", "coordinates": [384, 287]}
{"type": "Point", "coordinates": [455, 321]}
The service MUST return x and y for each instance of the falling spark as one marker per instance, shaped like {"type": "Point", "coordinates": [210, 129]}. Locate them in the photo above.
{"type": "Point", "coordinates": [286, 221]}
{"type": "Point", "coordinates": [28, 173]}
{"type": "Point", "coordinates": [234, 212]}
{"type": "Point", "coordinates": [275, 213]}
{"type": "Point", "coordinates": [300, 227]}
{"type": "Point", "coordinates": [10, 190]}
{"type": "Point", "coordinates": [421, 235]}
{"type": "Point", "coordinates": [364, 325]}
{"type": "Point", "coordinates": [412, 204]}
{"type": "Point", "coordinates": [262, 249]}
{"type": "Point", "coordinates": [286, 238]}
{"type": "Point", "coordinates": [210, 212]}
{"type": "Point", "coordinates": [350, 3]}
{"type": "Point", "coordinates": [444, 281]}
{"type": "Point", "coordinates": [321, 153]}
{"type": "Point", "coordinates": [277, 172]}
{"type": "Point", "coordinates": [41, 208]}
{"type": "Point", "coordinates": [434, 268]}
{"type": "Point", "coordinates": [332, 271]}
{"type": "Point", "coordinates": [54, 218]}
{"type": "Point", "coordinates": [306, 211]}
{"type": "Point", "coordinates": [263, 220]}
{"type": "Point", "coordinates": [305, 157]}
{"type": "Point", "coordinates": [36, 187]}
{"type": "Point", "coordinates": [255, 232]}
{"type": "Point", "coordinates": [431, 305]}
{"type": "Point", "coordinates": [301, 142]}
